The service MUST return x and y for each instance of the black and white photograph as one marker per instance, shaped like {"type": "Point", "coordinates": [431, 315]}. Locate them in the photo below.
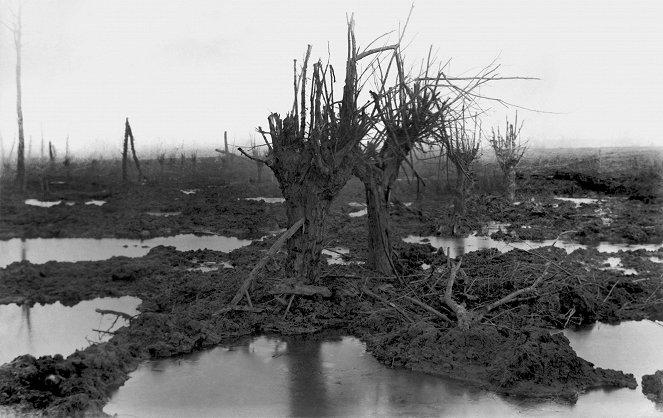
{"type": "Point", "coordinates": [341, 208]}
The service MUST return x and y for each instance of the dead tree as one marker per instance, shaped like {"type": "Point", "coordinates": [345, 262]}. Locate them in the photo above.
{"type": "Point", "coordinates": [313, 158]}
{"type": "Point", "coordinates": [129, 139]}
{"type": "Point", "coordinates": [509, 150]}
{"type": "Point", "coordinates": [463, 145]}
{"type": "Point", "coordinates": [405, 116]}
{"type": "Point", "coordinates": [16, 27]}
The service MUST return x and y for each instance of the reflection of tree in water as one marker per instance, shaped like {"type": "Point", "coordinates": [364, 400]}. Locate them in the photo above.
{"type": "Point", "coordinates": [24, 250]}
{"type": "Point", "coordinates": [26, 319]}
{"type": "Point", "coordinates": [308, 391]}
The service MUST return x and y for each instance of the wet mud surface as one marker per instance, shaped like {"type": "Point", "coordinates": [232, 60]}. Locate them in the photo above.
{"type": "Point", "coordinates": [512, 351]}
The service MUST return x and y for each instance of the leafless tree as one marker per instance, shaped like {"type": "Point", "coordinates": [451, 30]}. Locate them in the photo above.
{"type": "Point", "coordinates": [461, 136]}
{"type": "Point", "coordinates": [406, 114]}
{"type": "Point", "coordinates": [313, 150]}
{"type": "Point", "coordinates": [509, 150]}
{"type": "Point", "coordinates": [16, 28]}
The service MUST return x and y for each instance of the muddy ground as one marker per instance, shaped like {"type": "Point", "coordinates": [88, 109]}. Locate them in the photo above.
{"type": "Point", "coordinates": [511, 351]}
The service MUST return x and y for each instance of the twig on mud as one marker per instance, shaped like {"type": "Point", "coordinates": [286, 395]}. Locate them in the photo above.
{"type": "Point", "coordinates": [654, 292]}
{"type": "Point", "coordinates": [400, 310]}
{"type": "Point", "coordinates": [289, 304]}
{"type": "Point", "coordinates": [554, 264]}
{"type": "Point", "coordinates": [244, 288]}
{"type": "Point", "coordinates": [429, 309]}
{"type": "Point", "coordinates": [610, 292]}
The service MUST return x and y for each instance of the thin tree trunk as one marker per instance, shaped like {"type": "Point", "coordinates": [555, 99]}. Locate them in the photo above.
{"type": "Point", "coordinates": [461, 190]}
{"type": "Point", "coordinates": [510, 181]}
{"type": "Point", "coordinates": [125, 151]}
{"type": "Point", "coordinates": [20, 163]}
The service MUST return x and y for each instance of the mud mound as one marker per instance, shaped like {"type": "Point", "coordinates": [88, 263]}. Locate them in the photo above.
{"type": "Point", "coordinates": [652, 386]}
{"type": "Point", "coordinates": [529, 363]}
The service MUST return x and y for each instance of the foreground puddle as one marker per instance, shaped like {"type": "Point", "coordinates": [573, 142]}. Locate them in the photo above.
{"type": "Point", "coordinates": [41, 250]}
{"type": "Point", "coordinates": [335, 377]}
{"type": "Point", "coordinates": [633, 347]}
{"type": "Point", "coordinates": [460, 246]}
{"type": "Point", "coordinates": [55, 329]}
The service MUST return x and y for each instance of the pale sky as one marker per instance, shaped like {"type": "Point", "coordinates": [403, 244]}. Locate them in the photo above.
{"type": "Point", "coordinates": [185, 71]}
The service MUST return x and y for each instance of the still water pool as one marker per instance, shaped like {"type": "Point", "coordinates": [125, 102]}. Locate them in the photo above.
{"type": "Point", "coordinates": [338, 377]}
{"type": "Point", "coordinates": [55, 329]}
{"type": "Point", "coordinates": [41, 250]}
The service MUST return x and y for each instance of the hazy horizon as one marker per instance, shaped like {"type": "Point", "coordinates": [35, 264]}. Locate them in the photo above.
{"type": "Point", "coordinates": [185, 72]}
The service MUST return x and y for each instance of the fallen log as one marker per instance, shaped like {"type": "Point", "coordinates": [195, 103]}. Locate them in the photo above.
{"type": "Point", "coordinates": [244, 288]}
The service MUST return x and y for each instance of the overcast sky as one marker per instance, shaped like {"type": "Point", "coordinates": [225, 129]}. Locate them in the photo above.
{"type": "Point", "coordinates": [185, 71]}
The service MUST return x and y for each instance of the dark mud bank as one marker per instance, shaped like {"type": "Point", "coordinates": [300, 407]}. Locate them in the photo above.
{"type": "Point", "coordinates": [183, 311]}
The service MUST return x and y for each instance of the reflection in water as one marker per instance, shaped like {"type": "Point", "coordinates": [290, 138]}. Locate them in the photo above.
{"type": "Point", "coordinates": [301, 377]}
{"type": "Point", "coordinates": [308, 393]}
{"type": "Point", "coordinates": [24, 250]}
{"type": "Point", "coordinates": [41, 250]}
{"type": "Point", "coordinates": [460, 246]}
{"type": "Point", "coordinates": [55, 329]}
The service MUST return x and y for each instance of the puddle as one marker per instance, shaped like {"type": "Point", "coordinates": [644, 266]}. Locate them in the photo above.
{"type": "Point", "coordinates": [96, 202]}
{"type": "Point", "coordinates": [460, 246]}
{"type": "Point", "coordinates": [298, 377]}
{"type": "Point", "coordinates": [163, 214]}
{"type": "Point", "coordinates": [336, 255]}
{"type": "Point", "coordinates": [615, 263]}
{"type": "Point", "coordinates": [633, 347]}
{"type": "Point", "coordinates": [267, 199]}
{"type": "Point", "coordinates": [656, 259]}
{"type": "Point", "coordinates": [207, 266]}
{"type": "Point", "coordinates": [578, 200]}
{"type": "Point", "coordinates": [189, 191]}
{"type": "Point", "coordinates": [55, 329]}
{"type": "Point", "coordinates": [41, 250]}
{"type": "Point", "coordinates": [70, 203]}
{"type": "Point", "coordinates": [358, 213]}
{"type": "Point", "coordinates": [41, 203]}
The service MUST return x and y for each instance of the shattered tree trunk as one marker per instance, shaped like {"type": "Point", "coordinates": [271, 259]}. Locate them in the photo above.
{"type": "Point", "coordinates": [312, 162]}
{"type": "Point", "coordinates": [129, 138]}
{"type": "Point", "coordinates": [380, 257]}
{"type": "Point", "coordinates": [310, 202]}
{"type": "Point", "coordinates": [125, 151]}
